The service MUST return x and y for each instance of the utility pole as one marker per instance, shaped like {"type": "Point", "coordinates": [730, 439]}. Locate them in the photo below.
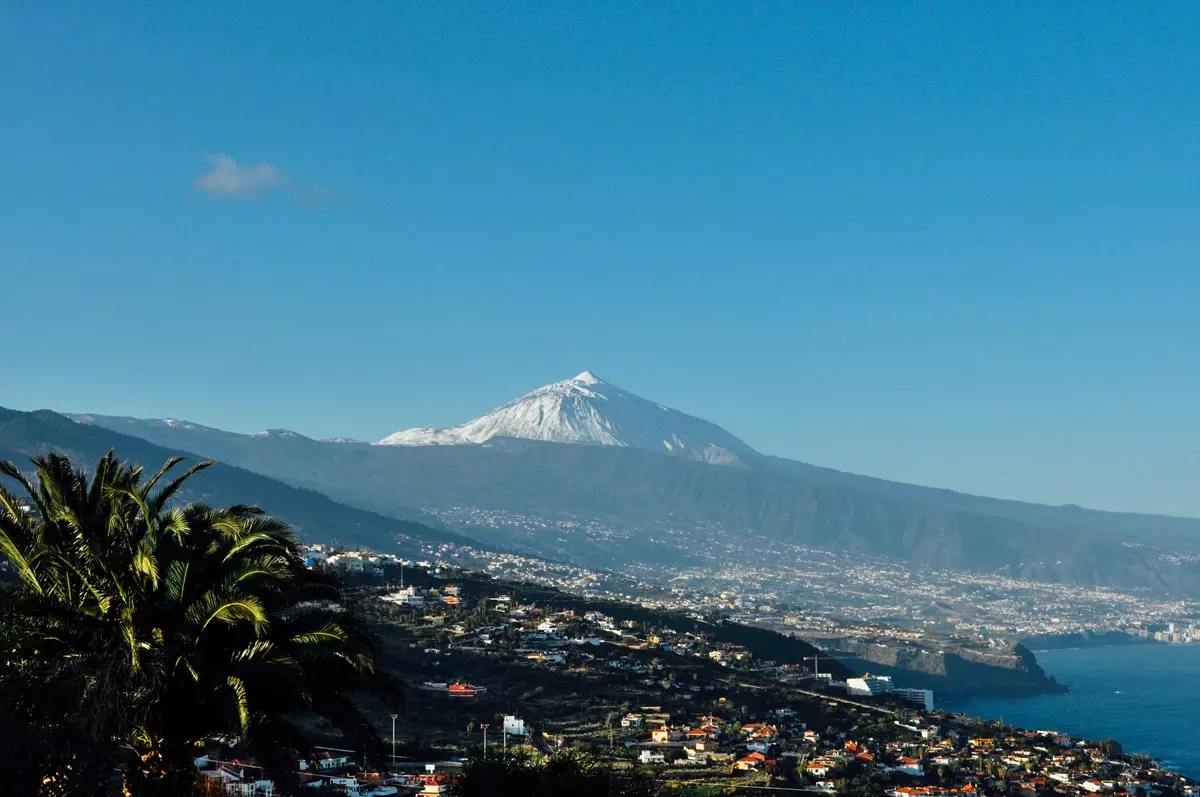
{"type": "Point", "coordinates": [393, 767]}
{"type": "Point", "coordinates": [485, 727]}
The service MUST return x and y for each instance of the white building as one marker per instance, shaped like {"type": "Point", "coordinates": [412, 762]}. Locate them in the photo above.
{"type": "Point", "coordinates": [922, 697]}
{"type": "Point", "coordinates": [514, 726]}
{"type": "Point", "coordinates": [869, 685]}
{"type": "Point", "coordinates": [406, 597]}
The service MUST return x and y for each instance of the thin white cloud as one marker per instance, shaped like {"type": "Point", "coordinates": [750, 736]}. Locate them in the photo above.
{"type": "Point", "coordinates": [230, 178]}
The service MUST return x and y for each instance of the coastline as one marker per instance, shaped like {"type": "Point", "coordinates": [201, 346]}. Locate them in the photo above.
{"type": "Point", "coordinates": [1138, 694]}
{"type": "Point", "coordinates": [1085, 639]}
{"type": "Point", "coordinates": [953, 673]}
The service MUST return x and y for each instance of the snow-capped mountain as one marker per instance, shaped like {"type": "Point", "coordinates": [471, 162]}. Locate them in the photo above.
{"type": "Point", "coordinates": [587, 410]}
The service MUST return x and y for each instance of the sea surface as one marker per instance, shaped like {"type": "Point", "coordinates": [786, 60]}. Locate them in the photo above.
{"type": "Point", "coordinates": [1147, 697]}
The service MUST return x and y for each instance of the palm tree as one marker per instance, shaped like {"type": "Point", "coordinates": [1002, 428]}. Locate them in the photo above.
{"type": "Point", "coordinates": [196, 620]}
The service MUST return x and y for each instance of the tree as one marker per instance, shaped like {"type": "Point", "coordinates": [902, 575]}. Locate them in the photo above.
{"type": "Point", "coordinates": [167, 624]}
{"type": "Point", "coordinates": [674, 754]}
{"type": "Point", "coordinates": [48, 705]}
{"type": "Point", "coordinates": [569, 773]}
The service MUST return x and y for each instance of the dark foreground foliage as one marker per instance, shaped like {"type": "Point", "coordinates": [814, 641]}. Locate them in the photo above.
{"type": "Point", "coordinates": [135, 628]}
{"type": "Point", "coordinates": [567, 774]}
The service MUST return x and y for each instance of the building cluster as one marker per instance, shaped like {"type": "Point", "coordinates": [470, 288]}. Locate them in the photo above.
{"type": "Point", "coordinates": [351, 561]}
{"type": "Point", "coordinates": [1178, 634]}
{"type": "Point", "coordinates": [920, 760]}
{"type": "Point", "coordinates": [565, 639]}
{"type": "Point", "coordinates": [1031, 763]}
{"type": "Point", "coordinates": [332, 770]}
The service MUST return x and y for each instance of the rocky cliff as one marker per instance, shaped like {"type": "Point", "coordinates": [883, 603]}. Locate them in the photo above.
{"type": "Point", "coordinates": [952, 672]}
{"type": "Point", "coordinates": [1085, 639]}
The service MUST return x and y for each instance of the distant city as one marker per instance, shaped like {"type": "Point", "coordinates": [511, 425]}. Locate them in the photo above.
{"type": "Point", "coordinates": [822, 592]}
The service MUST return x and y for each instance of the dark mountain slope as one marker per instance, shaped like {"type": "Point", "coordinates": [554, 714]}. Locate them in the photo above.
{"type": "Point", "coordinates": [1151, 529]}
{"type": "Point", "coordinates": [636, 488]}
{"type": "Point", "coordinates": [315, 517]}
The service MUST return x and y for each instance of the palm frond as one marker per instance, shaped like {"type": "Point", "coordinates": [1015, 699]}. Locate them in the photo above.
{"type": "Point", "coordinates": [159, 501]}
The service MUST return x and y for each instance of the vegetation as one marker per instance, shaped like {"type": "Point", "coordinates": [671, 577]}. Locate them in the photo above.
{"type": "Point", "coordinates": [569, 773]}
{"type": "Point", "coordinates": [137, 628]}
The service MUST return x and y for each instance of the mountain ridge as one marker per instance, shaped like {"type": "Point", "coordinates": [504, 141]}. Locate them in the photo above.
{"type": "Point", "coordinates": [24, 435]}
{"type": "Point", "coordinates": [638, 489]}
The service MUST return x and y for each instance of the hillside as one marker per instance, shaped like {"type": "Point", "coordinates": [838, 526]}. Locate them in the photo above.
{"type": "Point", "coordinates": [314, 516]}
{"type": "Point", "coordinates": [1163, 530]}
{"type": "Point", "coordinates": [636, 489]}
{"type": "Point", "coordinates": [762, 642]}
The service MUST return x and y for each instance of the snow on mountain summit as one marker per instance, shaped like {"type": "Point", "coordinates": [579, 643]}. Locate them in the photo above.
{"type": "Point", "coordinates": [587, 410]}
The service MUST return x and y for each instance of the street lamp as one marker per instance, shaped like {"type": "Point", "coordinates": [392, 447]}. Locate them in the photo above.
{"type": "Point", "coordinates": [394, 741]}
{"type": "Point", "coordinates": [485, 727]}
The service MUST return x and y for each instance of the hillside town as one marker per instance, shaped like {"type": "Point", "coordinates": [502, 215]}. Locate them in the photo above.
{"type": "Point", "coordinates": [917, 760]}
{"type": "Point", "coordinates": [687, 717]}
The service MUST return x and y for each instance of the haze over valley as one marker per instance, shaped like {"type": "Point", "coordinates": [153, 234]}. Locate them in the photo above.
{"type": "Point", "coordinates": [591, 475]}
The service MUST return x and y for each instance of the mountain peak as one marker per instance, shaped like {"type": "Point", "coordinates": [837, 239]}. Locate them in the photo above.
{"type": "Point", "coordinates": [285, 433]}
{"type": "Point", "coordinates": [587, 378]}
{"type": "Point", "coordinates": [589, 411]}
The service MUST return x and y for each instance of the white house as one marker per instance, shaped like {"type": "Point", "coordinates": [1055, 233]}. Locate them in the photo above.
{"type": "Point", "coordinates": [869, 685]}
{"type": "Point", "coordinates": [406, 597]}
{"type": "Point", "coordinates": [650, 757]}
{"type": "Point", "coordinates": [327, 760]}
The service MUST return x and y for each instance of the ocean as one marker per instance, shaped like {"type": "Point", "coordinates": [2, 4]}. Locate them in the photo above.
{"type": "Point", "coordinates": [1147, 697]}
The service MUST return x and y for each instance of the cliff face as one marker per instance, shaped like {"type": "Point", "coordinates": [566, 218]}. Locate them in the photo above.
{"type": "Point", "coordinates": [1085, 639]}
{"type": "Point", "coordinates": [952, 674]}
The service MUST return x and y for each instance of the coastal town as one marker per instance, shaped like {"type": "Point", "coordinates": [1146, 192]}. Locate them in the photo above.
{"type": "Point", "coordinates": [670, 695]}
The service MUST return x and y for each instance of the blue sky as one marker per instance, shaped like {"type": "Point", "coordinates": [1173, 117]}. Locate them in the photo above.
{"type": "Point", "coordinates": [948, 243]}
